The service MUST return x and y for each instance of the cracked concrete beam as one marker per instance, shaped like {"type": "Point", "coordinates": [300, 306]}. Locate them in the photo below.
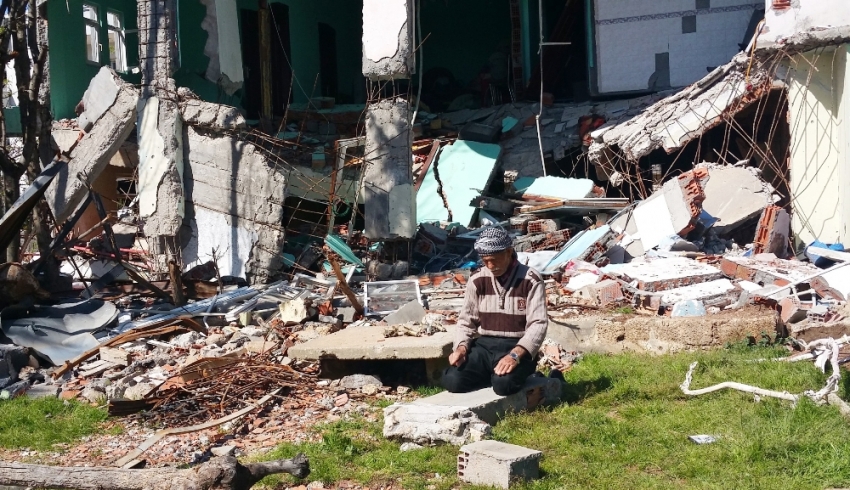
{"type": "Point", "coordinates": [234, 205]}
{"type": "Point", "coordinates": [110, 126]}
{"type": "Point", "coordinates": [387, 39]}
{"type": "Point", "coordinates": [196, 112]}
{"type": "Point", "coordinates": [387, 190]}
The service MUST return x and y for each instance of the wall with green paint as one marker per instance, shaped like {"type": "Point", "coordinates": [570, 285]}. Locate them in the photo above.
{"type": "Point", "coordinates": [70, 72]}
{"type": "Point", "coordinates": [345, 16]}
{"type": "Point", "coordinates": [462, 34]}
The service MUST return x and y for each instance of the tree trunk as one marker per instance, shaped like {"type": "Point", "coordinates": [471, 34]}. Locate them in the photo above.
{"type": "Point", "coordinates": [224, 473]}
{"type": "Point", "coordinates": [11, 192]}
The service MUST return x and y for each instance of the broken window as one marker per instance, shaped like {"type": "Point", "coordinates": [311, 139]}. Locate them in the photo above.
{"type": "Point", "coordinates": [92, 26]}
{"type": "Point", "coordinates": [117, 48]}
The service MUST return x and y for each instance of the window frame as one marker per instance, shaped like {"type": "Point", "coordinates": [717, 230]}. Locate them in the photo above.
{"type": "Point", "coordinates": [95, 25]}
{"type": "Point", "coordinates": [120, 32]}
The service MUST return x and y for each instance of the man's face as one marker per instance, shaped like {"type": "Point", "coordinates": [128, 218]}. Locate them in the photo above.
{"type": "Point", "coordinates": [498, 263]}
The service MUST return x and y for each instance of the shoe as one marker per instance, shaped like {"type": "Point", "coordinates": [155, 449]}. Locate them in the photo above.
{"type": "Point", "coordinates": [554, 373]}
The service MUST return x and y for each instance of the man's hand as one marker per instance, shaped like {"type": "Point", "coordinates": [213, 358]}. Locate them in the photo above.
{"type": "Point", "coordinates": [458, 357]}
{"type": "Point", "coordinates": [507, 364]}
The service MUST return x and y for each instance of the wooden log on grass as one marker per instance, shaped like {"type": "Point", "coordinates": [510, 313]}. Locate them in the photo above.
{"type": "Point", "coordinates": [222, 473]}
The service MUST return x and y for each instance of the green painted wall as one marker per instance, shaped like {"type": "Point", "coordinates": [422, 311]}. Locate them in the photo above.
{"type": "Point", "coordinates": [345, 16]}
{"type": "Point", "coordinates": [70, 72]}
{"type": "Point", "coordinates": [462, 34]}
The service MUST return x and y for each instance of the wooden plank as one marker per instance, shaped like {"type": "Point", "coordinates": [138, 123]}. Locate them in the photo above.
{"type": "Point", "coordinates": [116, 356]}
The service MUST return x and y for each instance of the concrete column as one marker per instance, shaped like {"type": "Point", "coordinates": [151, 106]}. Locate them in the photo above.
{"type": "Point", "coordinates": [159, 126]}
{"type": "Point", "coordinates": [387, 191]}
{"type": "Point", "coordinates": [388, 195]}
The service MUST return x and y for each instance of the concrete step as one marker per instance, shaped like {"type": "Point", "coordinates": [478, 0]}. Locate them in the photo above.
{"type": "Point", "coordinates": [490, 407]}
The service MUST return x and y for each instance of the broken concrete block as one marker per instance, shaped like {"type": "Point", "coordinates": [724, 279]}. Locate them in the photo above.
{"type": "Point", "coordinates": [671, 210]}
{"type": "Point", "coordinates": [712, 293]}
{"type": "Point", "coordinates": [490, 407]}
{"type": "Point", "coordinates": [196, 112]}
{"type": "Point", "coordinates": [688, 307]}
{"type": "Point", "coordinates": [497, 464]}
{"type": "Point", "coordinates": [234, 205]}
{"type": "Point", "coordinates": [110, 127]}
{"type": "Point", "coordinates": [293, 311]}
{"type": "Point", "coordinates": [387, 39]}
{"type": "Point", "coordinates": [772, 232]}
{"type": "Point", "coordinates": [735, 195]}
{"type": "Point", "coordinates": [43, 391]}
{"type": "Point", "coordinates": [411, 312]}
{"type": "Point", "coordinates": [430, 424]}
{"type": "Point", "coordinates": [358, 381]}
{"type": "Point", "coordinates": [766, 269]}
{"type": "Point", "coordinates": [602, 293]}
{"type": "Point", "coordinates": [387, 188]}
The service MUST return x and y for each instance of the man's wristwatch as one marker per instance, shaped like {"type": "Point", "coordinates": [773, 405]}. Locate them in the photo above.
{"type": "Point", "coordinates": [514, 356]}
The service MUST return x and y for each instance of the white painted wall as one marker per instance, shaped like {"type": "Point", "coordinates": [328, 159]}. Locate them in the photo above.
{"type": "Point", "coordinates": [819, 107]}
{"type": "Point", "coordinates": [803, 15]}
{"type": "Point", "coordinates": [626, 45]}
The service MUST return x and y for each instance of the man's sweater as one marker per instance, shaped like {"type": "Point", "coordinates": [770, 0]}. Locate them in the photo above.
{"type": "Point", "coordinates": [515, 310]}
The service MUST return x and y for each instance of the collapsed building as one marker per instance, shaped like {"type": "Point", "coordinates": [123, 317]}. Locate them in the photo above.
{"type": "Point", "coordinates": [221, 163]}
{"type": "Point", "coordinates": [195, 102]}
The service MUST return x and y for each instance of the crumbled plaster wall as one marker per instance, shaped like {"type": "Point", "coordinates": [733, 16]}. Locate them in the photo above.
{"type": "Point", "coordinates": [387, 39]}
{"type": "Point", "coordinates": [234, 205]}
{"type": "Point", "coordinates": [389, 199]}
{"type": "Point", "coordinates": [110, 120]}
{"type": "Point", "coordinates": [223, 46]}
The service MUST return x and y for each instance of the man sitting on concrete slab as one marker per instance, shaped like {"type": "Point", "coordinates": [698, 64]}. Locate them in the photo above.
{"type": "Point", "coordinates": [505, 304]}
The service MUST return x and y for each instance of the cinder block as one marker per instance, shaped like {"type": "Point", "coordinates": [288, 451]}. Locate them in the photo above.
{"type": "Point", "coordinates": [497, 463]}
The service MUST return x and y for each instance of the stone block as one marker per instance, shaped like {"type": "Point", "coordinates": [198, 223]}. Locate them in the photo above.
{"type": "Point", "coordinates": [497, 464]}
{"type": "Point", "coordinates": [490, 407]}
{"type": "Point", "coordinates": [431, 424]}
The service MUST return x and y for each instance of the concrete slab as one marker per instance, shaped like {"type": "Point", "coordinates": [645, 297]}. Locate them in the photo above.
{"type": "Point", "coordinates": [368, 343]}
{"type": "Point", "coordinates": [666, 274]}
{"type": "Point", "coordinates": [490, 407]}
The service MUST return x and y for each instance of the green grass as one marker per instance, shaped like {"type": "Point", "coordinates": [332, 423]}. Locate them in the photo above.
{"type": "Point", "coordinates": [355, 450]}
{"type": "Point", "coordinates": [39, 424]}
{"type": "Point", "coordinates": [625, 424]}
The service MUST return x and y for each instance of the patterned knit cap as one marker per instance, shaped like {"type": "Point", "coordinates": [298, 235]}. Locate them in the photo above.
{"type": "Point", "coordinates": [492, 241]}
